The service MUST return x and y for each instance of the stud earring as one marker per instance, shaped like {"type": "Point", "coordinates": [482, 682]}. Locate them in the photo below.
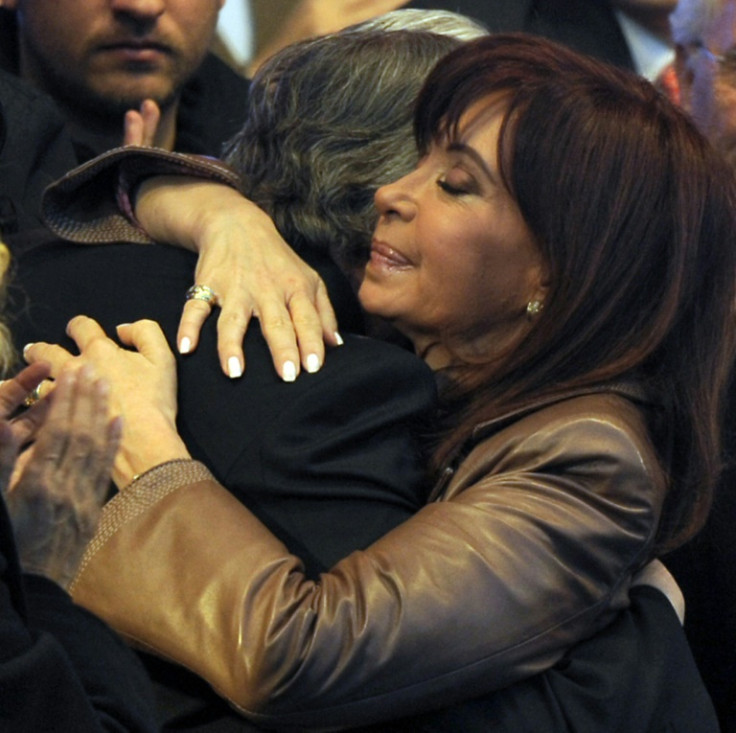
{"type": "Point", "coordinates": [534, 308]}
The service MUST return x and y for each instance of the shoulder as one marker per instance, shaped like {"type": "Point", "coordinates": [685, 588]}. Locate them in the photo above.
{"type": "Point", "coordinates": [591, 444]}
{"type": "Point", "coordinates": [368, 361]}
{"type": "Point", "coordinates": [384, 352]}
{"type": "Point", "coordinates": [588, 27]}
{"type": "Point", "coordinates": [13, 89]}
{"type": "Point", "coordinates": [35, 148]}
{"type": "Point", "coordinates": [598, 424]}
{"type": "Point", "coordinates": [29, 113]}
{"type": "Point", "coordinates": [604, 410]}
{"type": "Point", "coordinates": [584, 421]}
{"type": "Point", "coordinates": [362, 380]}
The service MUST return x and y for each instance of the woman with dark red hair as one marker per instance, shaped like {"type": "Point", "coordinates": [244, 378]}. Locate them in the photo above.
{"type": "Point", "coordinates": [561, 258]}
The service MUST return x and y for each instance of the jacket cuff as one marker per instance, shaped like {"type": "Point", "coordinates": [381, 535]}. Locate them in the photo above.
{"type": "Point", "coordinates": [138, 497]}
{"type": "Point", "coordinates": [93, 204]}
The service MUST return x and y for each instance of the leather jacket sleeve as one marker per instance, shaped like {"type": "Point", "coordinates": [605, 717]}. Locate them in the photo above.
{"type": "Point", "coordinates": [92, 204]}
{"type": "Point", "coordinates": [529, 549]}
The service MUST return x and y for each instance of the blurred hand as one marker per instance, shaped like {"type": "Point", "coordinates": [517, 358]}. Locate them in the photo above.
{"type": "Point", "coordinates": [253, 272]}
{"type": "Point", "coordinates": [141, 125]}
{"type": "Point", "coordinates": [319, 17]}
{"type": "Point", "coordinates": [142, 387]}
{"type": "Point", "coordinates": [311, 18]}
{"type": "Point", "coordinates": [56, 503]}
{"type": "Point", "coordinates": [13, 393]}
{"type": "Point", "coordinates": [32, 382]}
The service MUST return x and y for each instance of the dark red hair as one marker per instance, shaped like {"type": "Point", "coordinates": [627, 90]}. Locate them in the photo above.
{"type": "Point", "coordinates": [636, 217]}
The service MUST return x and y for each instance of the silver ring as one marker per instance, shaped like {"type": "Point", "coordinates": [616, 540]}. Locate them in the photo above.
{"type": "Point", "coordinates": [202, 292]}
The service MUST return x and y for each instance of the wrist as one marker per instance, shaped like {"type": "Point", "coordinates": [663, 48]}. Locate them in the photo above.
{"type": "Point", "coordinates": [148, 443]}
{"type": "Point", "coordinates": [228, 212]}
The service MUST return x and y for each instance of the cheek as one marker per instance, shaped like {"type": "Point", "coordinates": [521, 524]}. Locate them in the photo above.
{"type": "Point", "coordinates": [381, 296]}
{"type": "Point", "coordinates": [197, 23]}
{"type": "Point", "coordinates": [458, 276]}
{"type": "Point", "coordinates": [58, 41]}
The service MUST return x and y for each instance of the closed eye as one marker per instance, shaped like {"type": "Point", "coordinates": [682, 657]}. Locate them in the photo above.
{"type": "Point", "coordinates": [452, 190]}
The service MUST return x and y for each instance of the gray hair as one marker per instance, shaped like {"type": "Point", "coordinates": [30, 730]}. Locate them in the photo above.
{"type": "Point", "coordinates": [443, 22]}
{"type": "Point", "coordinates": [691, 18]}
{"type": "Point", "coordinates": [329, 121]}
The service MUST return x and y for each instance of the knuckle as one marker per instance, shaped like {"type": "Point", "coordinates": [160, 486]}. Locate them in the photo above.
{"type": "Point", "coordinates": [233, 318]}
{"type": "Point", "coordinates": [197, 306]}
{"type": "Point", "coordinates": [306, 318]}
{"type": "Point", "coordinates": [84, 445]}
{"type": "Point", "coordinates": [56, 433]}
{"type": "Point", "coordinates": [96, 349]}
{"type": "Point", "coordinates": [276, 323]}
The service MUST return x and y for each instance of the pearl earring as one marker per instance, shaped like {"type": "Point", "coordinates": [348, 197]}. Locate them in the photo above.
{"type": "Point", "coordinates": [533, 308]}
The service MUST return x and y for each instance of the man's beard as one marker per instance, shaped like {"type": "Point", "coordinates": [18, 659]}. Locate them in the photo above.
{"type": "Point", "coordinates": [99, 111]}
{"type": "Point", "coordinates": [103, 111]}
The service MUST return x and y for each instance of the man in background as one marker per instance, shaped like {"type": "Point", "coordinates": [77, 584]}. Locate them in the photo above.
{"type": "Point", "coordinates": [704, 32]}
{"type": "Point", "coordinates": [99, 58]}
{"type": "Point", "coordinates": [633, 34]}
{"type": "Point", "coordinates": [705, 35]}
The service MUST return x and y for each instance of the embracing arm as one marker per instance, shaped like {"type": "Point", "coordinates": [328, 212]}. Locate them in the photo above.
{"type": "Point", "coordinates": [529, 549]}
{"type": "Point", "coordinates": [194, 202]}
{"type": "Point", "coordinates": [490, 585]}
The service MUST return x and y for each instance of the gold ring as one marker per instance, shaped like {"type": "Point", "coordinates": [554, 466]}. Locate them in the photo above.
{"type": "Point", "coordinates": [33, 396]}
{"type": "Point", "coordinates": [202, 292]}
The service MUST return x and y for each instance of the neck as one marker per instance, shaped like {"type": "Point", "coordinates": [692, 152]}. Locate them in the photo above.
{"type": "Point", "coordinates": [434, 353]}
{"type": "Point", "coordinates": [440, 351]}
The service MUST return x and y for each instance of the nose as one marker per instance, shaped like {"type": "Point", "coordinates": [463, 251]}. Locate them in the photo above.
{"type": "Point", "coordinates": [396, 198]}
{"type": "Point", "coordinates": [141, 11]}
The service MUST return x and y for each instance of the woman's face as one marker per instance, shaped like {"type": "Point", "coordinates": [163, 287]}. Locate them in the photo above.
{"type": "Point", "coordinates": [453, 264]}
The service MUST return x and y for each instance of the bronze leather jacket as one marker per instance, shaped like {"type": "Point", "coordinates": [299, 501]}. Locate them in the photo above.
{"type": "Point", "coordinates": [527, 548]}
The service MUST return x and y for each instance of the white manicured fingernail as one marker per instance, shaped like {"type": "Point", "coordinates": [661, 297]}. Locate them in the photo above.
{"type": "Point", "coordinates": [288, 373]}
{"type": "Point", "coordinates": [185, 345]}
{"type": "Point", "coordinates": [26, 347]}
{"type": "Point", "coordinates": [313, 363]}
{"type": "Point", "coordinates": [338, 339]}
{"type": "Point", "coordinates": [233, 367]}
